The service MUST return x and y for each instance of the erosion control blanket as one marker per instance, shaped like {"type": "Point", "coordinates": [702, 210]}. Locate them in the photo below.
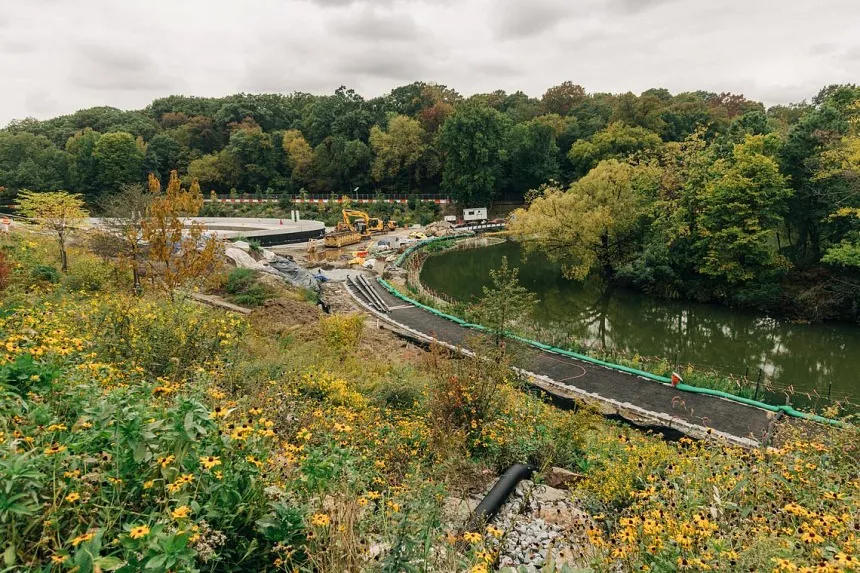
{"type": "Point", "coordinates": [291, 272]}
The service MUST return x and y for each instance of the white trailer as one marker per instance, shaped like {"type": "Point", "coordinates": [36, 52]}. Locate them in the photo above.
{"type": "Point", "coordinates": [478, 214]}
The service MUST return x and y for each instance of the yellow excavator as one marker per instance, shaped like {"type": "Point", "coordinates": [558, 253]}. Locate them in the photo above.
{"type": "Point", "coordinates": [354, 227]}
{"type": "Point", "coordinates": [357, 221]}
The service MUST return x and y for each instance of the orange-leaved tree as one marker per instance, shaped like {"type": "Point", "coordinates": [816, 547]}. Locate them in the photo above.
{"type": "Point", "coordinates": [178, 251]}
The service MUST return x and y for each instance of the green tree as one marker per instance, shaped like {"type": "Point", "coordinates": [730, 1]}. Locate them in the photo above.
{"type": "Point", "coordinates": [617, 141]}
{"type": "Point", "coordinates": [742, 207]}
{"type": "Point", "coordinates": [532, 154]}
{"type": "Point", "coordinates": [163, 155]}
{"type": "Point", "coordinates": [30, 161]}
{"type": "Point", "coordinates": [58, 212]}
{"type": "Point", "coordinates": [595, 225]}
{"type": "Point", "coordinates": [300, 157]}
{"type": "Point", "coordinates": [119, 160]}
{"type": "Point", "coordinates": [399, 151]}
{"type": "Point", "coordinates": [83, 166]}
{"type": "Point", "coordinates": [814, 196]}
{"type": "Point", "coordinates": [216, 171]}
{"type": "Point", "coordinates": [254, 151]}
{"type": "Point", "coordinates": [342, 164]}
{"type": "Point", "coordinates": [563, 98]}
{"type": "Point", "coordinates": [504, 304]}
{"type": "Point", "coordinates": [472, 144]}
{"type": "Point", "coordinates": [842, 163]}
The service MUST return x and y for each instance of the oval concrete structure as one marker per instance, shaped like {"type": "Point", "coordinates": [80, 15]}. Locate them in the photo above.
{"type": "Point", "coordinates": [268, 232]}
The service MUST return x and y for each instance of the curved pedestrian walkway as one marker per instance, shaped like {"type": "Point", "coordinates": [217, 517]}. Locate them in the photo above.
{"type": "Point", "coordinates": [634, 398]}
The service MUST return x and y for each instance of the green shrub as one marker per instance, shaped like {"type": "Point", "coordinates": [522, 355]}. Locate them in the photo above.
{"type": "Point", "coordinates": [45, 273]}
{"type": "Point", "coordinates": [89, 275]}
{"type": "Point", "coordinates": [24, 375]}
{"type": "Point", "coordinates": [255, 247]}
{"type": "Point", "coordinates": [398, 391]}
{"type": "Point", "coordinates": [242, 288]}
{"type": "Point", "coordinates": [342, 332]}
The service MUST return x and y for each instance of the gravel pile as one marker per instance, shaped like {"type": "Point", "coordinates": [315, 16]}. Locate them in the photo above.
{"type": "Point", "coordinates": [528, 538]}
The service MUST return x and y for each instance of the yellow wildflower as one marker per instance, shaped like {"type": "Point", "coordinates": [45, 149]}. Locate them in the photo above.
{"type": "Point", "coordinates": [139, 531]}
{"type": "Point", "coordinates": [82, 539]}
{"type": "Point", "coordinates": [209, 462]}
{"type": "Point", "coordinates": [181, 512]}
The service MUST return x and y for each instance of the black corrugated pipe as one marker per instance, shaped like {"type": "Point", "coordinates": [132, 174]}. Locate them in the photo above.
{"type": "Point", "coordinates": [489, 506]}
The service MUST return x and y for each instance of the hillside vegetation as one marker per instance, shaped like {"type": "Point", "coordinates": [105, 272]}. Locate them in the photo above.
{"type": "Point", "coordinates": [151, 433]}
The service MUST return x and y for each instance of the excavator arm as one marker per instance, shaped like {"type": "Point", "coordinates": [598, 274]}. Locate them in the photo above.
{"type": "Point", "coordinates": [351, 214]}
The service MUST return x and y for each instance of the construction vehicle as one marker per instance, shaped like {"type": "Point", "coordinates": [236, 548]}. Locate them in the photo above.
{"type": "Point", "coordinates": [349, 231]}
{"type": "Point", "coordinates": [337, 239]}
{"type": "Point", "coordinates": [377, 225]}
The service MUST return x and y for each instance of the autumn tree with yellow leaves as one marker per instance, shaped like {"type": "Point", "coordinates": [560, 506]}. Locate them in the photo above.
{"type": "Point", "coordinates": [178, 251]}
{"type": "Point", "coordinates": [58, 212]}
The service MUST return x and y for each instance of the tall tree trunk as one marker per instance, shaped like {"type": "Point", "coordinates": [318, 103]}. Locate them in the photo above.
{"type": "Point", "coordinates": [64, 259]}
{"type": "Point", "coordinates": [135, 273]}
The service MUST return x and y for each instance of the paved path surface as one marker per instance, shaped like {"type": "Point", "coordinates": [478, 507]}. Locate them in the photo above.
{"type": "Point", "coordinates": [646, 399]}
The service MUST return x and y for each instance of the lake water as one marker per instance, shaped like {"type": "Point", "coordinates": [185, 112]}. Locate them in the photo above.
{"type": "Point", "coordinates": [807, 357]}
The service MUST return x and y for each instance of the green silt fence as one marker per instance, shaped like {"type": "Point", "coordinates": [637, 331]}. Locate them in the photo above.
{"type": "Point", "coordinates": [788, 410]}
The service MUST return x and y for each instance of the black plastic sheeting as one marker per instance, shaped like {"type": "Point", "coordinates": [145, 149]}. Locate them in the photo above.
{"type": "Point", "coordinates": [291, 272]}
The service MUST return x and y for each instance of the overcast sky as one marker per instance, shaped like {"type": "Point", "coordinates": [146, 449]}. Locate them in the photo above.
{"type": "Point", "coordinates": [57, 56]}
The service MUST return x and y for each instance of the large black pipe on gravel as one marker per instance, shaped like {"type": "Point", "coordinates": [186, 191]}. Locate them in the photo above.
{"type": "Point", "coordinates": [493, 501]}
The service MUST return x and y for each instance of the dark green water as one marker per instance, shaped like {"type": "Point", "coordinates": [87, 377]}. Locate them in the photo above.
{"type": "Point", "coordinates": [807, 357]}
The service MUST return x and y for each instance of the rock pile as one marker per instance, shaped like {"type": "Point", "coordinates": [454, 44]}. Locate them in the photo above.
{"type": "Point", "coordinates": [542, 524]}
{"type": "Point", "coordinates": [441, 229]}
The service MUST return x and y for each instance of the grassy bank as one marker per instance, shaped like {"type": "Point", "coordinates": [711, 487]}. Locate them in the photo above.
{"type": "Point", "coordinates": [142, 433]}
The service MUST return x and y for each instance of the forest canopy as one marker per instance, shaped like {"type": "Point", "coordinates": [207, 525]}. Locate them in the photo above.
{"type": "Point", "coordinates": [696, 194]}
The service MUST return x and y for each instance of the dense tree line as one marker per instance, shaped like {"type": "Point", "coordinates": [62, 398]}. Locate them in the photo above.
{"type": "Point", "coordinates": [763, 212]}
{"type": "Point", "coordinates": [418, 138]}
{"type": "Point", "coordinates": [693, 194]}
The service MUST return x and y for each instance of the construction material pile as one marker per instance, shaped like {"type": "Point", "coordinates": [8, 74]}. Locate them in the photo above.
{"type": "Point", "coordinates": [441, 229]}
{"type": "Point", "coordinates": [285, 268]}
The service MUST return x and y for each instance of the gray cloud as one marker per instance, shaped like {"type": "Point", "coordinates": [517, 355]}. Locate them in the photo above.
{"type": "Point", "coordinates": [17, 47]}
{"type": "Point", "coordinates": [112, 68]}
{"type": "Point", "coordinates": [332, 3]}
{"type": "Point", "coordinates": [636, 6]}
{"type": "Point", "coordinates": [378, 64]}
{"type": "Point", "coordinates": [140, 51]}
{"type": "Point", "coordinates": [516, 19]}
{"type": "Point", "coordinates": [851, 56]}
{"type": "Point", "coordinates": [823, 49]}
{"type": "Point", "coordinates": [372, 24]}
{"type": "Point", "coordinates": [497, 68]}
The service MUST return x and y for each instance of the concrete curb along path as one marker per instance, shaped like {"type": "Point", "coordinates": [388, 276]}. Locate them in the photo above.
{"type": "Point", "coordinates": [635, 398]}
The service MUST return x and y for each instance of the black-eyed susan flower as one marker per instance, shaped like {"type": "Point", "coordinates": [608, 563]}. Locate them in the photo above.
{"type": "Point", "coordinates": [181, 512]}
{"type": "Point", "coordinates": [139, 531]}
{"type": "Point", "coordinates": [83, 538]}
{"type": "Point", "coordinates": [209, 462]}
{"type": "Point", "coordinates": [472, 537]}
